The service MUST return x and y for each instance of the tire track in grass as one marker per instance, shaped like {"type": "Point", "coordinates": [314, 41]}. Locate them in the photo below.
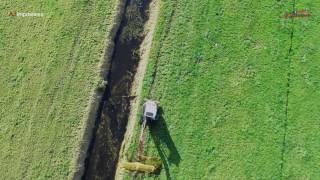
{"type": "Point", "coordinates": [289, 81]}
{"type": "Point", "coordinates": [167, 29]}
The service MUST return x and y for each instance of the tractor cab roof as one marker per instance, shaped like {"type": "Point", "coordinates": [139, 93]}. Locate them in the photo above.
{"type": "Point", "coordinates": [150, 109]}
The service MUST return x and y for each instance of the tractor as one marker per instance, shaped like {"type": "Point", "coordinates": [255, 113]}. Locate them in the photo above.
{"type": "Point", "coordinates": [144, 163]}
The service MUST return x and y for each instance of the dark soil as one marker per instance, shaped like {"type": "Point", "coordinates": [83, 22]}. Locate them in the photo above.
{"type": "Point", "coordinates": [112, 118]}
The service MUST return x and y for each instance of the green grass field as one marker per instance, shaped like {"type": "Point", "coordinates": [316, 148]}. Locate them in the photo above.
{"type": "Point", "coordinates": [49, 68]}
{"type": "Point", "coordinates": [302, 156]}
{"type": "Point", "coordinates": [238, 86]}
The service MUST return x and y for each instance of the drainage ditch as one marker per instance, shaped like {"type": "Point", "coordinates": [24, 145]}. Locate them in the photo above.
{"type": "Point", "coordinates": [114, 108]}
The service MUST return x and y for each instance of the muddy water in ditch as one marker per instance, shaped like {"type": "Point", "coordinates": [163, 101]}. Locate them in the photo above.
{"type": "Point", "coordinates": [114, 109]}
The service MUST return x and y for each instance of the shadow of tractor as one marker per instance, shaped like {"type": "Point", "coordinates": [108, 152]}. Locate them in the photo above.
{"type": "Point", "coordinates": [165, 146]}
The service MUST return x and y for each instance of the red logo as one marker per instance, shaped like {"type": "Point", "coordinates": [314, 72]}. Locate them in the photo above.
{"type": "Point", "coordinates": [297, 14]}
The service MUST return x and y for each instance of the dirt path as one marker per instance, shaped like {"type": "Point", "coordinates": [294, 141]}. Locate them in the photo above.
{"type": "Point", "coordinates": [145, 47]}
